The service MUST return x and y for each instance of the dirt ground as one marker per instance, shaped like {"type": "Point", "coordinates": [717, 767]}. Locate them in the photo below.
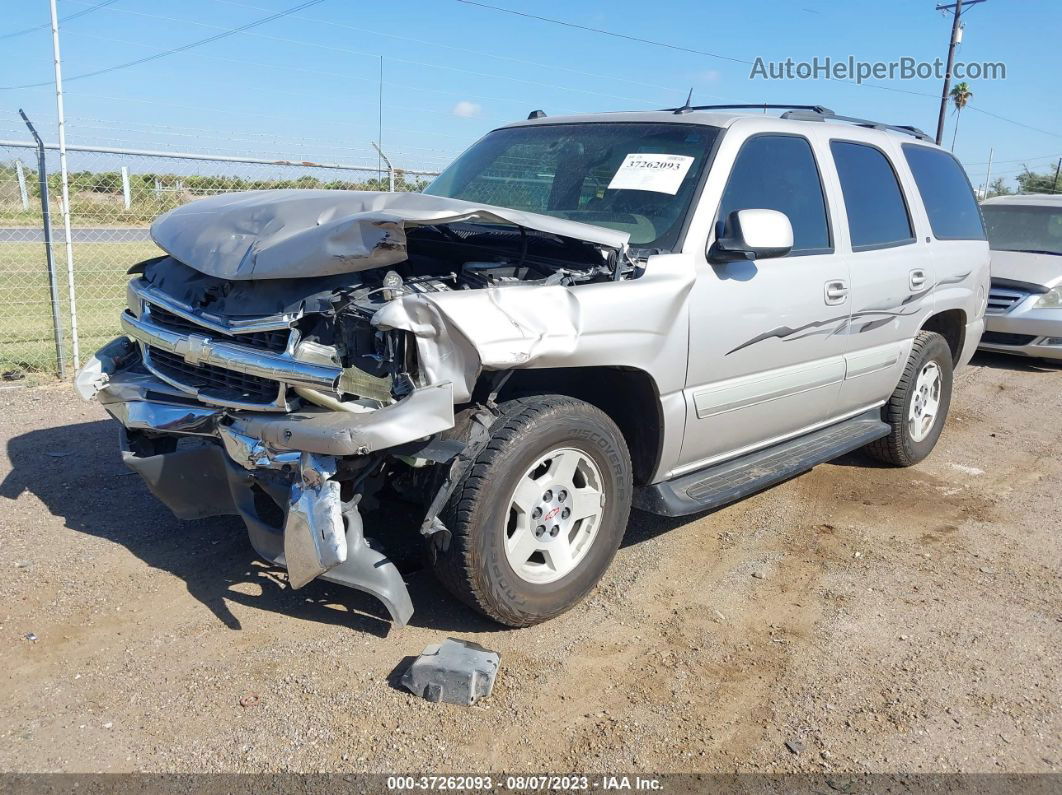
{"type": "Point", "coordinates": [876, 619]}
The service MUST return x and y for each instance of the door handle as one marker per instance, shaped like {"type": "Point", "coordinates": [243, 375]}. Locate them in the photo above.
{"type": "Point", "coordinates": [836, 291]}
{"type": "Point", "coordinates": [917, 279]}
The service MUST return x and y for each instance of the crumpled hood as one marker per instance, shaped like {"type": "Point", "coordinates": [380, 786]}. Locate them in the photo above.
{"type": "Point", "coordinates": [1045, 269]}
{"type": "Point", "coordinates": [276, 234]}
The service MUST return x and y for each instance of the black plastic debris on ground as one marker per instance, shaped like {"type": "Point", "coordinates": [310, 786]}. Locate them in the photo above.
{"type": "Point", "coordinates": [454, 671]}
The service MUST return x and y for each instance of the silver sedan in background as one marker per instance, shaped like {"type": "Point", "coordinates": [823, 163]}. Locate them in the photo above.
{"type": "Point", "coordinates": [1024, 314]}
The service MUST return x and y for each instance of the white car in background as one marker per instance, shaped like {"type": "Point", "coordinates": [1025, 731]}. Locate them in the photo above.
{"type": "Point", "coordinates": [1024, 314]}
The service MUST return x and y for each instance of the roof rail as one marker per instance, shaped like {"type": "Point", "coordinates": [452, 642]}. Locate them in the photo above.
{"type": "Point", "coordinates": [811, 113]}
{"type": "Point", "coordinates": [906, 129]}
{"type": "Point", "coordinates": [760, 106]}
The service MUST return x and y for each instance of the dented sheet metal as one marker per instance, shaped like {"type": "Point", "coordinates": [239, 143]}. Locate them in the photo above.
{"type": "Point", "coordinates": [279, 234]}
{"type": "Point", "coordinates": [314, 535]}
{"type": "Point", "coordinates": [462, 333]}
{"type": "Point", "coordinates": [493, 329]}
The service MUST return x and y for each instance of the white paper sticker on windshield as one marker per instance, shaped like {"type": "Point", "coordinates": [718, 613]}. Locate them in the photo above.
{"type": "Point", "coordinates": [659, 173]}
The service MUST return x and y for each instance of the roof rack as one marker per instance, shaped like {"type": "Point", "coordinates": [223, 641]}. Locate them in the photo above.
{"type": "Point", "coordinates": [812, 113]}
{"type": "Point", "coordinates": [906, 129]}
{"type": "Point", "coordinates": [759, 106]}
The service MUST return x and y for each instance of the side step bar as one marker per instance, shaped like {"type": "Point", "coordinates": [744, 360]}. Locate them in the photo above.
{"type": "Point", "coordinates": [729, 481]}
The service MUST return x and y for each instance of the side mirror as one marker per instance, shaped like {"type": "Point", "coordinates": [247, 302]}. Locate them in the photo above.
{"type": "Point", "coordinates": [753, 234]}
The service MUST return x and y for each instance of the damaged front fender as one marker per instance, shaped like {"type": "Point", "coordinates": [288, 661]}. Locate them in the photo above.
{"type": "Point", "coordinates": [626, 323]}
{"type": "Point", "coordinates": [462, 333]}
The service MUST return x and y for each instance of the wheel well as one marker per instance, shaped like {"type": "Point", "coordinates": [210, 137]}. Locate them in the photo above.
{"type": "Point", "coordinates": [629, 397]}
{"type": "Point", "coordinates": [951, 325]}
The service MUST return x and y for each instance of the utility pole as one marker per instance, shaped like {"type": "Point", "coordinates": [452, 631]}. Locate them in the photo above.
{"type": "Point", "coordinates": [1058, 169]}
{"type": "Point", "coordinates": [956, 36]}
{"type": "Point", "coordinates": [988, 176]}
{"type": "Point", "coordinates": [379, 123]}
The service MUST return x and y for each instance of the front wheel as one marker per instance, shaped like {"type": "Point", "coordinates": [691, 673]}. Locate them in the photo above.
{"type": "Point", "coordinates": [918, 408]}
{"type": "Point", "coordinates": [539, 516]}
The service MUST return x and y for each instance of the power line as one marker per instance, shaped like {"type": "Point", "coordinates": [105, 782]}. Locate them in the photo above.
{"type": "Point", "coordinates": [480, 53]}
{"type": "Point", "coordinates": [604, 32]}
{"type": "Point", "coordinates": [670, 46]}
{"type": "Point", "coordinates": [289, 69]}
{"type": "Point", "coordinates": [1012, 121]}
{"type": "Point", "coordinates": [680, 48]}
{"type": "Point", "coordinates": [1014, 160]}
{"type": "Point", "coordinates": [394, 59]}
{"type": "Point", "coordinates": [182, 48]}
{"type": "Point", "coordinates": [48, 25]}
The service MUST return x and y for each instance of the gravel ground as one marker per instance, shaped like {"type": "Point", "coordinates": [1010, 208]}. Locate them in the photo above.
{"type": "Point", "coordinates": [874, 619]}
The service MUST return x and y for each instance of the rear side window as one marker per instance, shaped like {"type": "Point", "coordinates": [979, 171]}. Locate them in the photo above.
{"type": "Point", "coordinates": [778, 172]}
{"type": "Point", "coordinates": [877, 212]}
{"type": "Point", "coordinates": [946, 194]}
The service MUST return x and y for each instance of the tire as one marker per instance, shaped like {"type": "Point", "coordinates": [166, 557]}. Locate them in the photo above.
{"type": "Point", "coordinates": [910, 439]}
{"type": "Point", "coordinates": [534, 440]}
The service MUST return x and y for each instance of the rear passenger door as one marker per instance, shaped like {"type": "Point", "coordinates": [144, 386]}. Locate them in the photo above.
{"type": "Point", "coordinates": [763, 364]}
{"type": "Point", "coordinates": [890, 276]}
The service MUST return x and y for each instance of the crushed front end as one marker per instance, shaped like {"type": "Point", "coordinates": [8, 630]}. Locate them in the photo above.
{"type": "Point", "coordinates": [295, 397]}
{"type": "Point", "coordinates": [281, 416]}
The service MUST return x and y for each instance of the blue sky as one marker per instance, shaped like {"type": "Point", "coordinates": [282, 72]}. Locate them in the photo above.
{"type": "Point", "coordinates": [305, 86]}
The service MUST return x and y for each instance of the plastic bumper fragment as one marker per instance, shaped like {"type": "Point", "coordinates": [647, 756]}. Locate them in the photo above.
{"type": "Point", "coordinates": [454, 671]}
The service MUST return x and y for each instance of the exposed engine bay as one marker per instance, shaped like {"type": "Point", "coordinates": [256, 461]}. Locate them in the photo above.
{"type": "Point", "coordinates": [334, 314]}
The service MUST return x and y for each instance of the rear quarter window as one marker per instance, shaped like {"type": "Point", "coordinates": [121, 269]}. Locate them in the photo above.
{"type": "Point", "coordinates": [946, 193]}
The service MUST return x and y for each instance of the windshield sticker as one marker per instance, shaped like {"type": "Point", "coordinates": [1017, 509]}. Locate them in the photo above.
{"type": "Point", "coordinates": [658, 173]}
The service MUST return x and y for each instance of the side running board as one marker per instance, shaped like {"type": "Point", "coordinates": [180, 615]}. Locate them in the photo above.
{"type": "Point", "coordinates": [728, 481]}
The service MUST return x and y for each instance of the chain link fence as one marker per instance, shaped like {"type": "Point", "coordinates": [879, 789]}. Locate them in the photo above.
{"type": "Point", "coordinates": [115, 194]}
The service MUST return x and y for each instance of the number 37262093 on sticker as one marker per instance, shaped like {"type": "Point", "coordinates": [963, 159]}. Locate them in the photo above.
{"type": "Point", "coordinates": [653, 172]}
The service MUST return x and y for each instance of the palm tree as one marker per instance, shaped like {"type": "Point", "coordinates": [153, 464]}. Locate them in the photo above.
{"type": "Point", "coordinates": [960, 95]}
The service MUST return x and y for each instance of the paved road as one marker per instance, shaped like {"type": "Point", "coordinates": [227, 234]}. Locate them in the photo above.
{"type": "Point", "coordinates": [80, 234]}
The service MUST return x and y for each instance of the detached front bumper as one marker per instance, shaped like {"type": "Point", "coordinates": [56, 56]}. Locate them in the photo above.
{"type": "Point", "coordinates": [275, 471]}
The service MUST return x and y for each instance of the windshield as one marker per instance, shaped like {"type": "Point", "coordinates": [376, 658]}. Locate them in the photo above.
{"type": "Point", "coordinates": [638, 178]}
{"type": "Point", "coordinates": [1024, 227]}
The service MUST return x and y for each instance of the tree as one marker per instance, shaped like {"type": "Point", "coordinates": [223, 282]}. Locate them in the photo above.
{"type": "Point", "coordinates": [1031, 182]}
{"type": "Point", "coordinates": [998, 188]}
{"type": "Point", "coordinates": [960, 95]}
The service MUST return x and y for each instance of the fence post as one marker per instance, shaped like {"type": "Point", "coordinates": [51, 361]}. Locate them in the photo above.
{"type": "Point", "coordinates": [42, 175]}
{"type": "Point", "coordinates": [390, 168]}
{"type": "Point", "coordinates": [125, 187]}
{"type": "Point", "coordinates": [71, 292]}
{"type": "Point", "coordinates": [22, 192]}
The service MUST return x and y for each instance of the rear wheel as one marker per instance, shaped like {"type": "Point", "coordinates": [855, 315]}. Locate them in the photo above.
{"type": "Point", "coordinates": [538, 517]}
{"type": "Point", "coordinates": [918, 408]}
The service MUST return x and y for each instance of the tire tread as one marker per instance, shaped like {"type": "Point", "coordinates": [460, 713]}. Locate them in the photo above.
{"type": "Point", "coordinates": [891, 449]}
{"type": "Point", "coordinates": [459, 566]}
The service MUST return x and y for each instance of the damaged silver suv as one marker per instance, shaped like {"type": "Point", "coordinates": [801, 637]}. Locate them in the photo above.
{"type": "Point", "coordinates": [669, 310]}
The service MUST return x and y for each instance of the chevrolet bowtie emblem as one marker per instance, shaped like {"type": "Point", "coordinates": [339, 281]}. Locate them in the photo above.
{"type": "Point", "coordinates": [197, 348]}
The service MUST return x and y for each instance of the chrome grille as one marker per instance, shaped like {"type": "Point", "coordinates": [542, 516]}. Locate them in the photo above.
{"type": "Point", "coordinates": [274, 340]}
{"type": "Point", "coordinates": [1002, 299]}
{"type": "Point", "coordinates": [243, 362]}
{"type": "Point", "coordinates": [214, 382]}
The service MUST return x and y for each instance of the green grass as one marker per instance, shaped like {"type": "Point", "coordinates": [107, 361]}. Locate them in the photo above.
{"type": "Point", "coordinates": [27, 344]}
